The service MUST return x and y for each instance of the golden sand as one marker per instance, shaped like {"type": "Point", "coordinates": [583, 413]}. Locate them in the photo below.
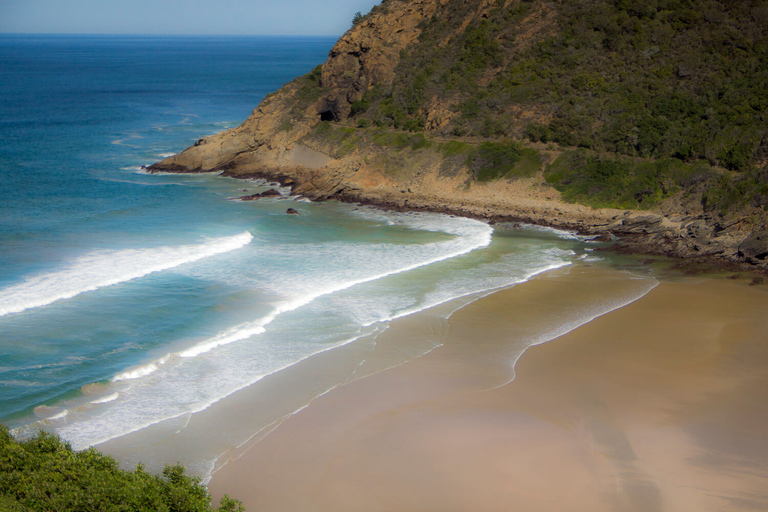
{"type": "Point", "coordinates": [661, 405]}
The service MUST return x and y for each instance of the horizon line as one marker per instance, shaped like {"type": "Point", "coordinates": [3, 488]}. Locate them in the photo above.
{"type": "Point", "coordinates": [127, 34]}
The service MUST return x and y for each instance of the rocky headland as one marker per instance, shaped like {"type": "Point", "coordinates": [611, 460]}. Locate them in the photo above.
{"type": "Point", "coordinates": [369, 126]}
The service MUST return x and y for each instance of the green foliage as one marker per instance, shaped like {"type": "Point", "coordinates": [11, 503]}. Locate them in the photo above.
{"type": "Point", "coordinates": [44, 474]}
{"type": "Point", "coordinates": [401, 140]}
{"type": "Point", "coordinates": [455, 148]}
{"type": "Point", "coordinates": [735, 191]}
{"type": "Point", "coordinates": [494, 160]}
{"type": "Point", "coordinates": [308, 91]}
{"type": "Point", "coordinates": [538, 133]}
{"type": "Point", "coordinates": [479, 49]}
{"type": "Point", "coordinates": [684, 79]}
{"type": "Point", "coordinates": [315, 74]}
{"type": "Point", "coordinates": [621, 183]}
{"type": "Point", "coordinates": [357, 18]}
{"type": "Point", "coordinates": [342, 140]}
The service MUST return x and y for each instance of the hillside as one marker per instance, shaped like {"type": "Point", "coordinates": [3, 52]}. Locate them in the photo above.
{"type": "Point", "coordinates": [555, 113]}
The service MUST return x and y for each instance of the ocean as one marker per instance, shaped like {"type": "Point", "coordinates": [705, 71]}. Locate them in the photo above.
{"type": "Point", "coordinates": [131, 302]}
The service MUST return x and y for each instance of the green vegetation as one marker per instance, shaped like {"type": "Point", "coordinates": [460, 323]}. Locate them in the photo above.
{"type": "Point", "coordinates": [401, 140]}
{"type": "Point", "coordinates": [674, 90]}
{"type": "Point", "coordinates": [683, 79]}
{"type": "Point", "coordinates": [731, 192]}
{"type": "Point", "coordinates": [342, 140]}
{"type": "Point", "coordinates": [584, 177]}
{"type": "Point", "coordinates": [44, 474]}
{"type": "Point", "coordinates": [309, 87]}
{"type": "Point", "coordinates": [506, 159]}
{"type": "Point", "coordinates": [671, 88]}
{"type": "Point", "coordinates": [454, 148]}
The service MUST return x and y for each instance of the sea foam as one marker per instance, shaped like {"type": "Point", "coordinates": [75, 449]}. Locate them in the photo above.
{"type": "Point", "coordinates": [470, 235]}
{"type": "Point", "coordinates": [105, 268]}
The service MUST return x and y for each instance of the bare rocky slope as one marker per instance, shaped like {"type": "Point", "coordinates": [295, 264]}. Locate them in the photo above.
{"type": "Point", "coordinates": [338, 133]}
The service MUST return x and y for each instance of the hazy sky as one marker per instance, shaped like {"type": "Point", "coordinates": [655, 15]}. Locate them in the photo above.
{"type": "Point", "coordinates": [194, 17]}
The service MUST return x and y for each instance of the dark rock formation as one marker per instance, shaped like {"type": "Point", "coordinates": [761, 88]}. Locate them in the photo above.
{"type": "Point", "coordinates": [755, 247]}
{"type": "Point", "coordinates": [267, 193]}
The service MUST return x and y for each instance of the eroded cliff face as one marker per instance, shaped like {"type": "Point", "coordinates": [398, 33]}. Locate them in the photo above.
{"type": "Point", "coordinates": [365, 57]}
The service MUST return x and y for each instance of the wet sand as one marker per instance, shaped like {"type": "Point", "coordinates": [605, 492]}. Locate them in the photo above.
{"type": "Point", "coordinates": [661, 405]}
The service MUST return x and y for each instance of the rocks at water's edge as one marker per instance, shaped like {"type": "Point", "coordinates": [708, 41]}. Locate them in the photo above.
{"type": "Point", "coordinates": [267, 193]}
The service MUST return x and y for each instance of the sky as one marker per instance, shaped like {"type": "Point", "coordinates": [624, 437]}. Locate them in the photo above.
{"type": "Point", "coordinates": [181, 17]}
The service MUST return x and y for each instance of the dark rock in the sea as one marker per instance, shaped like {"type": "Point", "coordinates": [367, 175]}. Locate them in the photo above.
{"type": "Point", "coordinates": [291, 211]}
{"type": "Point", "coordinates": [267, 193]}
{"type": "Point", "coordinates": [755, 246]}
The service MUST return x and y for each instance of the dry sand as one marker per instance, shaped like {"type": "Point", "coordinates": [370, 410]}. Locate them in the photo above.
{"type": "Point", "coordinates": [661, 405]}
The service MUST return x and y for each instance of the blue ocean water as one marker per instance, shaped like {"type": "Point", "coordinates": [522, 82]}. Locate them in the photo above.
{"type": "Point", "coordinates": [128, 300]}
{"type": "Point", "coordinates": [78, 115]}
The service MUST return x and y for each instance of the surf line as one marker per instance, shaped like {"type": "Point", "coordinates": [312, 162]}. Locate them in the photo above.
{"type": "Point", "coordinates": [106, 268]}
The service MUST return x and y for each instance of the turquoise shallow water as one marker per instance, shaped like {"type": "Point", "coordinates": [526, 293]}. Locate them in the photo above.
{"type": "Point", "coordinates": [129, 300]}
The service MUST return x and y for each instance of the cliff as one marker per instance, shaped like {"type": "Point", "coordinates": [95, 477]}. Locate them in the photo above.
{"type": "Point", "coordinates": [641, 119]}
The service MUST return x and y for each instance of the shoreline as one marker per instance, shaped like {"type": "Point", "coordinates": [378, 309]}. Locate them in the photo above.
{"type": "Point", "coordinates": [629, 411]}
{"type": "Point", "coordinates": [637, 232]}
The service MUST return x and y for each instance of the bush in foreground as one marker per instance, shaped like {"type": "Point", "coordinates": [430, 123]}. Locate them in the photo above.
{"type": "Point", "coordinates": [45, 474]}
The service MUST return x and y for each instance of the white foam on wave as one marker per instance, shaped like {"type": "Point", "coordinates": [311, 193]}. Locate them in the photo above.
{"type": "Point", "coordinates": [560, 233]}
{"type": "Point", "coordinates": [437, 300]}
{"type": "Point", "coordinates": [106, 399]}
{"type": "Point", "coordinates": [142, 371]}
{"type": "Point", "coordinates": [586, 315]}
{"type": "Point", "coordinates": [472, 235]}
{"type": "Point", "coordinates": [183, 383]}
{"type": "Point", "coordinates": [105, 268]}
{"type": "Point", "coordinates": [137, 410]}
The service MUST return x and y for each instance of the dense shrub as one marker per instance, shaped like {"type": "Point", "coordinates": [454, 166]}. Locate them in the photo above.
{"type": "Point", "coordinates": [493, 160]}
{"type": "Point", "coordinates": [44, 474]}
{"type": "Point", "coordinates": [586, 178]}
{"type": "Point", "coordinates": [652, 79]}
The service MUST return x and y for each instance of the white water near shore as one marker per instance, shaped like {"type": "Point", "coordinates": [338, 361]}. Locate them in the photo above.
{"type": "Point", "coordinates": [135, 303]}
{"type": "Point", "coordinates": [331, 305]}
{"type": "Point", "coordinates": [106, 268]}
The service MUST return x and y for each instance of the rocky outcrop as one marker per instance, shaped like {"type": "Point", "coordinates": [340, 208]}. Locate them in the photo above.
{"type": "Point", "coordinates": [281, 141]}
{"type": "Point", "coordinates": [367, 55]}
{"type": "Point", "coordinates": [755, 247]}
{"type": "Point", "coordinates": [267, 193]}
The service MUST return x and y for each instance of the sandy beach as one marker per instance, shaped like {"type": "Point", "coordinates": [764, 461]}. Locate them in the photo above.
{"type": "Point", "coordinates": [661, 405]}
